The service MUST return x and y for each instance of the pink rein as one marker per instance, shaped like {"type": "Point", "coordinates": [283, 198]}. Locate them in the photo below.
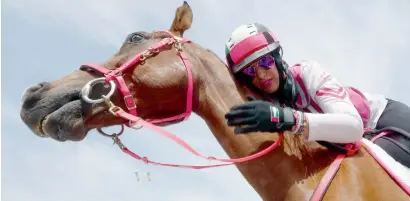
{"type": "Point", "coordinates": [132, 115]}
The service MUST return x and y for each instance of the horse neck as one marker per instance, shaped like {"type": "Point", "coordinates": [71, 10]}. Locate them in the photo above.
{"type": "Point", "coordinates": [217, 95]}
{"type": "Point", "coordinates": [293, 170]}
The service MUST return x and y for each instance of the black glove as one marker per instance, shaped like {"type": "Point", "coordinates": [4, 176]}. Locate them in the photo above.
{"type": "Point", "coordinates": [260, 116]}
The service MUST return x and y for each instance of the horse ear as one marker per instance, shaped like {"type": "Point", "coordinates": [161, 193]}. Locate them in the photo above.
{"type": "Point", "coordinates": [182, 20]}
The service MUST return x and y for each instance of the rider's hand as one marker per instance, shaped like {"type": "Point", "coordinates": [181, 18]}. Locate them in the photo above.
{"type": "Point", "coordinates": [262, 116]}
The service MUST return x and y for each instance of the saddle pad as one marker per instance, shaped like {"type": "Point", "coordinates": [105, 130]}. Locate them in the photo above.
{"type": "Point", "coordinates": [400, 171]}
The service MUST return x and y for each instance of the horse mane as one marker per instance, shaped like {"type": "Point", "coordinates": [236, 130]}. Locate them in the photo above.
{"type": "Point", "coordinates": [212, 52]}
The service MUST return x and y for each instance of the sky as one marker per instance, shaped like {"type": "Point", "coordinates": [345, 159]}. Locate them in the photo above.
{"type": "Point", "coordinates": [362, 43]}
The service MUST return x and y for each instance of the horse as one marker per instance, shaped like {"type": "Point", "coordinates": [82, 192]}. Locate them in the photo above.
{"type": "Point", "coordinates": [157, 79]}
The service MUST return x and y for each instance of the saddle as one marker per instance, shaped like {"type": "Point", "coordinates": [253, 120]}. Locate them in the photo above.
{"type": "Point", "coordinates": [398, 139]}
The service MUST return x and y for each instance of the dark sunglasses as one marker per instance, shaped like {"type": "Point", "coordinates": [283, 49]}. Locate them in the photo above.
{"type": "Point", "coordinates": [266, 62]}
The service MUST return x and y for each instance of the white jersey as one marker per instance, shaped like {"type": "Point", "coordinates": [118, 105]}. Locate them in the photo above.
{"type": "Point", "coordinates": [331, 115]}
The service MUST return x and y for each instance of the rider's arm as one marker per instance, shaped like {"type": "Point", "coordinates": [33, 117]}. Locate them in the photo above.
{"type": "Point", "coordinates": [340, 121]}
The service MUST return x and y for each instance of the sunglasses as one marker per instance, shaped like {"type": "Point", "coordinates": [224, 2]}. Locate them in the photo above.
{"type": "Point", "coordinates": [266, 62]}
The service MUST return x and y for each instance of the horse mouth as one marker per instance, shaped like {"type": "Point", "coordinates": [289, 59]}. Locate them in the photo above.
{"type": "Point", "coordinates": [69, 122]}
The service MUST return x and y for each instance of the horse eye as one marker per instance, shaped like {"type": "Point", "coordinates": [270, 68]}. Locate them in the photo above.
{"type": "Point", "coordinates": [136, 38]}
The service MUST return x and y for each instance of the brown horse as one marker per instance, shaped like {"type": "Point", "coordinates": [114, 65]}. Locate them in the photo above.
{"type": "Point", "coordinates": [159, 87]}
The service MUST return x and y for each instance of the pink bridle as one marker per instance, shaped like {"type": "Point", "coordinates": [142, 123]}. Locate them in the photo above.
{"type": "Point", "coordinates": [115, 79]}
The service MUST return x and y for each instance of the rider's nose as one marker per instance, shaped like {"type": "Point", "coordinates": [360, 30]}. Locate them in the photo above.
{"type": "Point", "coordinates": [260, 73]}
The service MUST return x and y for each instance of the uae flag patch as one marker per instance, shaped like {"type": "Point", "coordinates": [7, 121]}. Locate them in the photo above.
{"type": "Point", "coordinates": [274, 114]}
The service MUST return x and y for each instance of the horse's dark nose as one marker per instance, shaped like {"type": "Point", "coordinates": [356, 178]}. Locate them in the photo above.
{"type": "Point", "coordinates": [38, 87]}
{"type": "Point", "coordinates": [34, 94]}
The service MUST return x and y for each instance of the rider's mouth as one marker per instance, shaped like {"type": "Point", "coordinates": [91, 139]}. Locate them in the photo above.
{"type": "Point", "coordinates": [266, 83]}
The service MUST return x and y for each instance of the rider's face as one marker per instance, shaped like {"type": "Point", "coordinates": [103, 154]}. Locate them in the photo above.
{"type": "Point", "coordinates": [264, 73]}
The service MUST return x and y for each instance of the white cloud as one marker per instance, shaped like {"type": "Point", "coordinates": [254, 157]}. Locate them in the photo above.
{"type": "Point", "coordinates": [348, 41]}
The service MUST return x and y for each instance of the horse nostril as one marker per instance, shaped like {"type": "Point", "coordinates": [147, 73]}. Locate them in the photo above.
{"type": "Point", "coordinates": [36, 87]}
{"type": "Point", "coordinates": [35, 92]}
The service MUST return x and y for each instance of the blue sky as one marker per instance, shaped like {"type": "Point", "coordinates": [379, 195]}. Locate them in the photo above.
{"type": "Point", "coordinates": [364, 44]}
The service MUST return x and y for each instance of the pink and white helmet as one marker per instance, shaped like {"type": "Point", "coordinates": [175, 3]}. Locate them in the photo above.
{"type": "Point", "coordinates": [247, 43]}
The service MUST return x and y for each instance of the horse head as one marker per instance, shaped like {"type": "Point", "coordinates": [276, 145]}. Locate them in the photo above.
{"type": "Point", "coordinates": [157, 77]}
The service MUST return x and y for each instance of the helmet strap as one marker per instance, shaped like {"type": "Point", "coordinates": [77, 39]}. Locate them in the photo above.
{"type": "Point", "coordinates": [287, 92]}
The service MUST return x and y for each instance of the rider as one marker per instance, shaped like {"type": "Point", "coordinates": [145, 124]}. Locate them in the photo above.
{"type": "Point", "coordinates": [308, 100]}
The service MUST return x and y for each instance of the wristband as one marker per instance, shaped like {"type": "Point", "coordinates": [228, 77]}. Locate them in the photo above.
{"type": "Point", "coordinates": [301, 123]}
{"type": "Point", "coordinates": [296, 129]}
